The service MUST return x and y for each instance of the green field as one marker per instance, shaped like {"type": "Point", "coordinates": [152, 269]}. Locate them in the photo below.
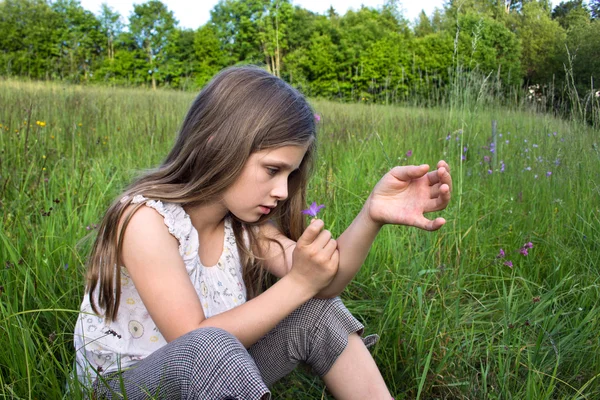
{"type": "Point", "coordinates": [455, 321]}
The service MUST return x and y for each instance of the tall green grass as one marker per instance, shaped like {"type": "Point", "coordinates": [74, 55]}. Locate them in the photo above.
{"type": "Point", "coordinates": [455, 322]}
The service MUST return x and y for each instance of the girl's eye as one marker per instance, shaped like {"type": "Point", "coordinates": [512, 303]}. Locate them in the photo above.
{"type": "Point", "coordinates": [271, 171]}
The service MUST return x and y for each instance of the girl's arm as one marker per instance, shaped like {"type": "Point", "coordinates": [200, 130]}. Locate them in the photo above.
{"type": "Point", "coordinates": [154, 264]}
{"type": "Point", "coordinates": [401, 197]}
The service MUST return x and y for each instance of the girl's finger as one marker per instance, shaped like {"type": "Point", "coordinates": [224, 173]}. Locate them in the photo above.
{"type": "Point", "coordinates": [311, 232]}
{"type": "Point", "coordinates": [409, 172]}
{"type": "Point", "coordinates": [322, 239]}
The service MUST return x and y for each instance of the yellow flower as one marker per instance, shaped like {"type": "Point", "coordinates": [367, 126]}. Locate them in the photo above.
{"type": "Point", "coordinates": [42, 124]}
{"type": "Point", "coordinates": [52, 137]}
{"type": "Point", "coordinates": [43, 156]}
{"type": "Point", "coordinates": [43, 169]}
{"type": "Point", "coordinates": [79, 124]}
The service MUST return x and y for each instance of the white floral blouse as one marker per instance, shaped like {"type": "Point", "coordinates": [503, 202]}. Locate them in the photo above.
{"type": "Point", "coordinates": [107, 347]}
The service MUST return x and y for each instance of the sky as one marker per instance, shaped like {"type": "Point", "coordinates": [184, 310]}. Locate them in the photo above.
{"type": "Point", "coordinates": [195, 13]}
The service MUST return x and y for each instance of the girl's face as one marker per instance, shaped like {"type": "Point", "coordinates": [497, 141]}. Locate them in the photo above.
{"type": "Point", "coordinates": [263, 182]}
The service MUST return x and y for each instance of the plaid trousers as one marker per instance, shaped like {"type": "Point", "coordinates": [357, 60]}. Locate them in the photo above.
{"type": "Point", "coordinates": [210, 363]}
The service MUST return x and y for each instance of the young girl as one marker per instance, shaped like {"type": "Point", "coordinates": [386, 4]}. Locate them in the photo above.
{"type": "Point", "coordinates": [178, 301]}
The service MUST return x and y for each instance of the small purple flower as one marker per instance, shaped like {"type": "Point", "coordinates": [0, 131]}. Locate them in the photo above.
{"type": "Point", "coordinates": [527, 168]}
{"type": "Point", "coordinates": [463, 157]}
{"type": "Point", "coordinates": [486, 158]}
{"type": "Point", "coordinates": [313, 210]}
{"type": "Point", "coordinates": [448, 137]}
{"type": "Point", "coordinates": [66, 266]}
{"type": "Point", "coordinates": [317, 118]}
{"type": "Point", "coordinates": [548, 173]}
{"type": "Point", "coordinates": [523, 250]}
{"type": "Point", "coordinates": [557, 162]}
{"type": "Point", "coordinates": [528, 245]}
{"type": "Point", "coordinates": [490, 171]}
{"type": "Point", "coordinates": [502, 166]}
{"type": "Point", "coordinates": [554, 133]}
{"type": "Point", "coordinates": [507, 141]}
{"type": "Point", "coordinates": [509, 264]}
{"type": "Point", "coordinates": [535, 145]}
{"type": "Point", "coordinates": [465, 149]}
{"type": "Point", "coordinates": [501, 254]}
{"type": "Point", "coordinates": [408, 154]}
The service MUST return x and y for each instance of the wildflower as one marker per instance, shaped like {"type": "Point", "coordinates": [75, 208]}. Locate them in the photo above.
{"type": "Point", "coordinates": [523, 250]}
{"type": "Point", "coordinates": [313, 210]}
{"type": "Point", "coordinates": [501, 254]}
{"type": "Point", "coordinates": [408, 154]}
{"type": "Point", "coordinates": [492, 147]}
{"type": "Point", "coordinates": [527, 168]}
{"type": "Point", "coordinates": [548, 173]}
{"type": "Point", "coordinates": [528, 245]}
{"type": "Point", "coordinates": [557, 162]}
{"type": "Point", "coordinates": [448, 137]}
{"type": "Point", "coordinates": [508, 263]}
{"type": "Point", "coordinates": [535, 145]}
{"type": "Point", "coordinates": [490, 171]}
{"type": "Point", "coordinates": [317, 118]}
{"type": "Point", "coordinates": [535, 176]}
{"type": "Point", "coordinates": [486, 158]}
{"type": "Point", "coordinates": [502, 166]}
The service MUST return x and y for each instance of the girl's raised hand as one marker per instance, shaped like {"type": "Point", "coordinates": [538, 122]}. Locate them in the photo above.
{"type": "Point", "coordinates": [405, 193]}
{"type": "Point", "coordinates": [315, 259]}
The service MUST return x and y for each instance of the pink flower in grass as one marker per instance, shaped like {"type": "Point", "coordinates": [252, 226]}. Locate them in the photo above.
{"type": "Point", "coordinates": [509, 264]}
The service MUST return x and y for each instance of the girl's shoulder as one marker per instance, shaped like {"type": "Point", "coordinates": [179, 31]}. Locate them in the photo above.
{"type": "Point", "coordinates": [156, 215]}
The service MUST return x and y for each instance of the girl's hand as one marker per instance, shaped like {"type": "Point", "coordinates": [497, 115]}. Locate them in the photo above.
{"type": "Point", "coordinates": [405, 193]}
{"type": "Point", "coordinates": [315, 259]}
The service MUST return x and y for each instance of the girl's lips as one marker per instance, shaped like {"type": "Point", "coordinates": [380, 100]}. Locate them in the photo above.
{"type": "Point", "coordinates": [265, 210]}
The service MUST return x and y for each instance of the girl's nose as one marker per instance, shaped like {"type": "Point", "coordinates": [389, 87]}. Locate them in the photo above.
{"type": "Point", "coordinates": [280, 191]}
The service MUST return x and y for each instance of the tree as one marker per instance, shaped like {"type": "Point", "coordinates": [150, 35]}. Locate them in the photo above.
{"type": "Point", "coordinates": [111, 25]}
{"type": "Point", "coordinates": [237, 27]}
{"type": "Point", "coordinates": [423, 26]}
{"type": "Point", "coordinates": [29, 37]}
{"type": "Point", "coordinates": [153, 27]}
{"type": "Point", "coordinates": [571, 13]}
{"type": "Point", "coordinates": [209, 55]}
{"type": "Point", "coordinates": [595, 9]}
{"type": "Point", "coordinates": [542, 41]}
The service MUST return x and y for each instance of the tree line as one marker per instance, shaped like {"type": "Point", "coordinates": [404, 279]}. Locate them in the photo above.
{"type": "Point", "coordinates": [370, 54]}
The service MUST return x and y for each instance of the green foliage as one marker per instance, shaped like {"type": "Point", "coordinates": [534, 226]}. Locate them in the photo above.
{"type": "Point", "coordinates": [368, 54]}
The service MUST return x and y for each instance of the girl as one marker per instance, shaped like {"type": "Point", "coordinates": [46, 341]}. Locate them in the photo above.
{"type": "Point", "coordinates": [178, 301]}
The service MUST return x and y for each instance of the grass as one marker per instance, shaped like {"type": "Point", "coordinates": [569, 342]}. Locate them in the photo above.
{"type": "Point", "coordinates": [455, 322]}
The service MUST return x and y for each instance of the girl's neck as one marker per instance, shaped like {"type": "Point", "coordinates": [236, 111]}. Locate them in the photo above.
{"type": "Point", "coordinates": [207, 218]}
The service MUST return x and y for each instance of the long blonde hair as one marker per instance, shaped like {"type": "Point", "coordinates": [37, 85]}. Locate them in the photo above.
{"type": "Point", "coordinates": [240, 111]}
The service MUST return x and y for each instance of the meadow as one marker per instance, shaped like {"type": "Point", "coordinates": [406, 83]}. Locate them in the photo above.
{"type": "Point", "coordinates": [501, 303]}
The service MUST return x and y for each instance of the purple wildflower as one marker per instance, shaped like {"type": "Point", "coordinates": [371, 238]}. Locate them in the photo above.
{"type": "Point", "coordinates": [502, 166]}
{"type": "Point", "coordinates": [313, 210]}
{"type": "Point", "coordinates": [448, 137]}
{"type": "Point", "coordinates": [463, 157]}
{"type": "Point", "coordinates": [535, 145]}
{"type": "Point", "coordinates": [408, 154]}
{"type": "Point", "coordinates": [527, 168]}
{"type": "Point", "coordinates": [317, 118]}
{"type": "Point", "coordinates": [548, 173]}
{"type": "Point", "coordinates": [523, 250]}
{"type": "Point", "coordinates": [486, 158]}
{"type": "Point", "coordinates": [490, 171]}
{"type": "Point", "coordinates": [507, 141]}
{"type": "Point", "coordinates": [528, 245]}
{"type": "Point", "coordinates": [501, 254]}
{"type": "Point", "coordinates": [508, 263]}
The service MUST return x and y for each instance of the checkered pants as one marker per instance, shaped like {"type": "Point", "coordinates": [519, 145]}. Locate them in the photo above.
{"type": "Point", "coordinates": [210, 363]}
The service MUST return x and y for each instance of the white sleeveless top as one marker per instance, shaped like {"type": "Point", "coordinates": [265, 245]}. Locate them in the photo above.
{"type": "Point", "coordinates": [106, 347]}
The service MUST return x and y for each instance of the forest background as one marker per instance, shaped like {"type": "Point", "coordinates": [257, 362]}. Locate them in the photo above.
{"type": "Point", "coordinates": [367, 55]}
